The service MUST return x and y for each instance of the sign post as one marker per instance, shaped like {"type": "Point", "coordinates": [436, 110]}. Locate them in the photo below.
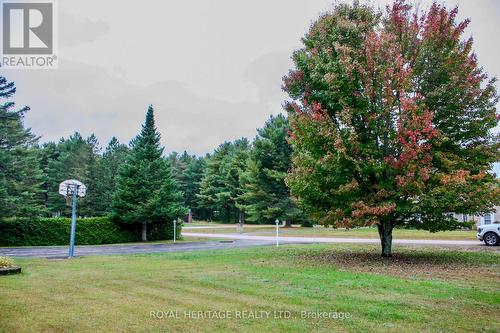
{"type": "Point", "coordinates": [175, 231]}
{"type": "Point", "coordinates": [72, 189]}
{"type": "Point", "coordinates": [277, 232]}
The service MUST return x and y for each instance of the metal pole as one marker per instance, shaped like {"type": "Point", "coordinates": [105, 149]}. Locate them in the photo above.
{"type": "Point", "coordinates": [240, 224]}
{"type": "Point", "coordinates": [73, 223]}
{"type": "Point", "coordinates": [277, 233]}
{"type": "Point", "coordinates": [175, 222]}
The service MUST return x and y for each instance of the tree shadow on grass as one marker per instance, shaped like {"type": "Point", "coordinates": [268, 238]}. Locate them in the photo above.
{"type": "Point", "coordinates": [409, 262]}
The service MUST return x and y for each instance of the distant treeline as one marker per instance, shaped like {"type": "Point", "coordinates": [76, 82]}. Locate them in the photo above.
{"type": "Point", "coordinates": [240, 180]}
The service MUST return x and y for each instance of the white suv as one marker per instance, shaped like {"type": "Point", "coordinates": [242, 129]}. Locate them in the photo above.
{"type": "Point", "coordinates": [489, 233]}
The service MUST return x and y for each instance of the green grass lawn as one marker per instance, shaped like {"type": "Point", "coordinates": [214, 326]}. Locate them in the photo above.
{"type": "Point", "coordinates": [297, 231]}
{"type": "Point", "coordinates": [419, 289]}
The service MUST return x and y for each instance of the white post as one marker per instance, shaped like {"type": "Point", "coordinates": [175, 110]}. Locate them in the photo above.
{"type": "Point", "coordinates": [277, 232]}
{"type": "Point", "coordinates": [239, 228]}
{"type": "Point", "coordinates": [175, 222]}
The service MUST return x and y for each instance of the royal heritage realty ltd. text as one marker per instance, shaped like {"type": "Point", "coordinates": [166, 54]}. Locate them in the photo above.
{"type": "Point", "coordinates": [248, 314]}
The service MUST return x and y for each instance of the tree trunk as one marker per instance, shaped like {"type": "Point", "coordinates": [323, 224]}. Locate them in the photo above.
{"type": "Point", "coordinates": [385, 233]}
{"type": "Point", "coordinates": [241, 219]}
{"type": "Point", "coordinates": [228, 213]}
{"type": "Point", "coordinates": [288, 224]}
{"type": "Point", "coordinates": [144, 231]}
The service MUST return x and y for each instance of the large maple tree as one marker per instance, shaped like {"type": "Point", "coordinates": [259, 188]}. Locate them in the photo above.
{"type": "Point", "coordinates": [391, 120]}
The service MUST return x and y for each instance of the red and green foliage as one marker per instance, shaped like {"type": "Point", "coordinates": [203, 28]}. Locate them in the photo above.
{"type": "Point", "coordinates": [391, 120]}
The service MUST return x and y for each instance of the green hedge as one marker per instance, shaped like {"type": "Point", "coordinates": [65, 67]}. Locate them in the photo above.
{"type": "Point", "coordinates": [89, 231]}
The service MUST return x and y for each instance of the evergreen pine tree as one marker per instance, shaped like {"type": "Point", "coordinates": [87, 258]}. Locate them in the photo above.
{"type": "Point", "coordinates": [212, 182]}
{"type": "Point", "coordinates": [188, 171]}
{"type": "Point", "coordinates": [72, 158]}
{"type": "Point", "coordinates": [192, 176]}
{"type": "Point", "coordinates": [92, 203]}
{"type": "Point", "coordinates": [221, 184]}
{"type": "Point", "coordinates": [146, 191]}
{"type": "Point", "coordinates": [113, 158]}
{"type": "Point", "coordinates": [20, 175]}
{"type": "Point", "coordinates": [266, 196]}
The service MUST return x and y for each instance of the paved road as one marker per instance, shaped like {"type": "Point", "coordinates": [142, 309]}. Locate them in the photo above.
{"type": "Point", "coordinates": [289, 239]}
{"type": "Point", "coordinates": [237, 241]}
{"type": "Point", "coordinates": [90, 250]}
{"type": "Point", "coordinates": [228, 226]}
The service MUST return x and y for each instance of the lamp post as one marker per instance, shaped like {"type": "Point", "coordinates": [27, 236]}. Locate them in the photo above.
{"type": "Point", "coordinates": [277, 232]}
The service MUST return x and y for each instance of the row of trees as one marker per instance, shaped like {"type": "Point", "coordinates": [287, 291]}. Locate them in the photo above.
{"type": "Point", "coordinates": [31, 173]}
{"type": "Point", "coordinates": [238, 181]}
{"type": "Point", "coordinates": [82, 159]}
{"type": "Point", "coordinates": [246, 181]}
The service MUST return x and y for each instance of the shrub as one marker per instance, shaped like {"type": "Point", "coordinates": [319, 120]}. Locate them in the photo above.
{"type": "Point", "coordinates": [6, 262]}
{"type": "Point", "coordinates": [89, 231]}
{"type": "Point", "coordinates": [307, 223]}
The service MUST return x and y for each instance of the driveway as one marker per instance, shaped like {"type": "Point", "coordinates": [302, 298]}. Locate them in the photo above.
{"type": "Point", "coordinates": [92, 250]}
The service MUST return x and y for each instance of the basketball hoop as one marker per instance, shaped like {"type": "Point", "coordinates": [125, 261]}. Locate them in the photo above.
{"type": "Point", "coordinates": [67, 187]}
{"type": "Point", "coordinates": [71, 189]}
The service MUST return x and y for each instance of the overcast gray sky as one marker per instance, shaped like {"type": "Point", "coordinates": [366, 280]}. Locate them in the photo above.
{"type": "Point", "coordinates": [212, 69]}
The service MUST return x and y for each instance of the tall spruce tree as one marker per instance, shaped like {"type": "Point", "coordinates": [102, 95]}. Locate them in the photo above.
{"type": "Point", "coordinates": [146, 190]}
{"type": "Point", "coordinates": [20, 176]}
{"type": "Point", "coordinates": [265, 195]}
